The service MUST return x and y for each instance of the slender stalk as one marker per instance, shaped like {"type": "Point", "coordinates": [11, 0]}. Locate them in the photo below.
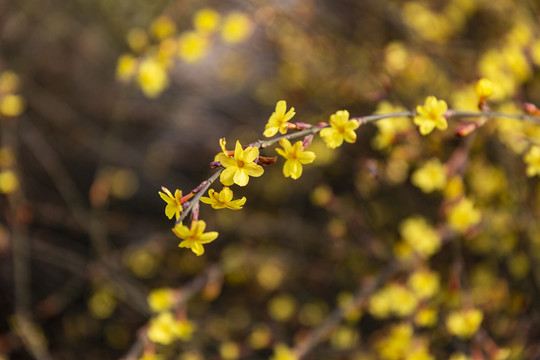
{"type": "Point", "coordinates": [261, 144]}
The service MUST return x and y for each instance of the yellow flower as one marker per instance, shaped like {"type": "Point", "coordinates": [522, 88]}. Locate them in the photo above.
{"type": "Point", "coordinates": [463, 215]}
{"type": "Point", "coordinates": [222, 143]}
{"type": "Point", "coordinates": [464, 323]}
{"type": "Point", "coordinates": [430, 177]}
{"type": "Point", "coordinates": [206, 20]}
{"type": "Point", "coordinates": [223, 199]}
{"type": "Point", "coordinates": [161, 299]}
{"type": "Point", "coordinates": [296, 156]}
{"type": "Point", "coordinates": [283, 352]}
{"type": "Point", "coordinates": [152, 78]}
{"type": "Point", "coordinates": [164, 329]}
{"type": "Point", "coordinates": [11, 105]}
{"type": "Point", "coordinates": [192, 46]}
{"type": "Point", "coordinates": [420, 236]}
{"type": "Point", "coordinates": [389, 128]}
{"type": "Point", "coordinates": [424, 283]}
{"type": "Point", "coordinates": [240, 167]}
{"type": "Point", "coordinates": [484, 88]}
{"type": "Point", "coordinates": [163, 27]}
{"type": "Point", "coordinates": [126, 67]}
{"type": "Point", "coordinates": [236, 28]}
{"type": "Point", "coordinates": [174, 205]}
{"type": "Point", "coordinates": [8, 182]}
{"type": "Point", "coordinates": [278, 119]}
{"type": "Point", "coordinates": [194, 237]}
{"type": "Point", "coordinates": [431, 115]}
{"type": "Point", "coordinates": [341, 128]}
{"type": "Point", "coordinates": [532, 158]}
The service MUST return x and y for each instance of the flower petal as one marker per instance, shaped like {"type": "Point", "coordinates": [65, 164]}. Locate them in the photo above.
{"type": "Point", "coordinates": [227, 175]}
{"type": "Point", "coordinates": [253, 169]}
{"type": "Point", "coordinates": [250, 154]}
{"type": "Point", "coordinates": [241, 178]}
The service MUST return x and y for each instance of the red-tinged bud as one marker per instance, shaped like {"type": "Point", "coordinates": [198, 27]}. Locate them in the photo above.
{"type": "Point", "coordinates": [303, 126]}
{"type": "Point", "coordinates": [322, 124]}
{"type": "Point", "coordinates": [531, 109]}
{"type": "Point", "coordinates": [264, 160]}
{"type": "Point", "coordinates": [215, 164]}
{"type": "Point", "coordinates": [307, 141]}
{"type": "Point", "coordinates": [466, 129]}
{"type": "Point", "coordinates": [186, 198]}
{"type": "Point", "coordinates": [195, 212]}
{"type": "Point", "coordinates": [291, 125]}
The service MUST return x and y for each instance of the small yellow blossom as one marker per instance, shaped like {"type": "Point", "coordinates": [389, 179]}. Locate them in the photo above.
{"type": "Point", "coordinates": [206, 20]}
{"type": "Point", "coordinates": [393, 299]}
{"type": "Point", "coordinates": [152, 77]}
{"type": "Point", "coordinates": [236, 27]}
{"type": "Point", "coordinates": [137, 39]}
{"type": "Point", "coordinates": [11, 105]}
{"type": "Point", "coordinates": [223, 199]}
{"type": "Point", "coordinates": [463, 215]}
{"type": "Point", "coordinates": [240, 167]}
{"type": "Point", "coordinates": [396, 345]}
{"type": "Point", "coordinates": [164, 329]}
{"type": "Point", "coordinates": [161, 299]}
{"type": "Point", "coordinates": [222, 143]}
{"type": "Point", "coordinates": [126, 67]}
{"type": "Point", "coordinates": [430, 177]}
{"type": "Point", "coordinates": [464, 323]}
{"type": "Point", "coordinates": [391, 127]}
{"type": "Point", "coordinates": [426, 317]}
{"type": "Point", "coordinates": [163, 27]}
{"type": "Point", "coordinates": [194, 237]}
{"type": "Point", "coordinates": [192, 46]}
{"type": "Point", "coordinates": [283, 352]}
{"type": "Point", "coordinates": [174, 204]}
{"type": "Point", "coordinates": [420, 236]}
{"type": "Point", "coordinates": [278, 119]}
{"type": "Point", "coordinates": [484, 88]}
{"type": "Point", "coordinates": [424, 283]}
{"type": "Point", "coordinates": [341, 128]}
{"type": "Point", "coordinates": [9, 82]}
{"type": "Point", "coordinates": [229, 350]}
{"type": "Point", "coordinates": [296, 156]}
{"type": "Point", "coordinates": [282, 307]}
{"type": "Point", "coordinates": [8, 182]}
{"type": "Point", "coordinates": [532, 158]}
{"type": "Point", "coordinates": [454, 187]}
{"type": "Point", "coordinates": [431, 115]}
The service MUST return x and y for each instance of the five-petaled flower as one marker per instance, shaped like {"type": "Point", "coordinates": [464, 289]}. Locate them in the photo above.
{"type": "Point", "coordinates": [431, 115]}
{"type": "Point", "coordinates": [240, 167]}
{"type": "Point", "coordinates": [194, 237]}
{"type": "Point", "coordinates": [223, 199]}
{"type": "Point", "coordinates": [278, 119]}
{"type": "Point", "coordinates": [174, 204]}
{"type": "Point", "coordinates": [296, 156]}
{"type": "Point", "coordinates": [341, 128]}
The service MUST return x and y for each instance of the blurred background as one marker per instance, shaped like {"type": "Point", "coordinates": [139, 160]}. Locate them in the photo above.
{"type": "Point", "coordinates": [103, 102]}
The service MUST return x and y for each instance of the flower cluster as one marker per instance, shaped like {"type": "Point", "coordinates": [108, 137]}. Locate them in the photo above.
{"type": "Point", "coordinates": [153, 52]}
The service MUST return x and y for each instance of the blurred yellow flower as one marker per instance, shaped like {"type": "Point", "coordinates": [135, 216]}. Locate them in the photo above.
{"type": "Point", "coordinates": [152, 77]}
{"type": "Point", "coordinates": [420, 236]}
{"type": "Point", "coordinates": [424, 283]}
{"type": "Point", "coordinates": [236, 27]}
{"type": "Point", "coordinates": [464, 323]}
{"type": "Point", "coordinates": [164, 329]}
{"type": "Point", "coordinates": [296, 156]}
{"type": "Point", "coordinates": [161, 299]}
{"type": "Point", "coordinates": [431, 115]}
{"type": "Point", "coordinates": [283, 352]}
{"type": "Point", "coordinates": [194, 237]}
{"type": "Point", "coordinates": [192, 46]}
{"type": "Point", "coordinates": [241, 166]}
{"type": "Point", "coordinates": [341, 128]}
{"type": "Point", "coordinates": [223, 199]}
{"type": "Point", "coordinates": [11, 105]}
{"type": "Point", "coordinates": [174, 203]}
{"type": "Point", "coordinates": [463, 215]}
{"type": "Point", "coordinates": [484, 88]}
{"type": "Point", "coordinates": [430, 177]}
{"type": "Point", "coordinates": [8, 182]}
{"type": "Point", "coordinates": [126, 67]}
{"type": "Point", "coordinates": [278, 119]}
{"type": "Point", "coordinates": [532, 159]}
{"type": "Point", "coordinates": [206, 20]}
{"type": "Point", "coordinates": [163, 27]}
